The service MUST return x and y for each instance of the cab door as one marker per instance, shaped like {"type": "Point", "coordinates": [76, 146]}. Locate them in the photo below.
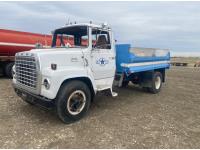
{"type": "Point", "coordinates": [102, 56]}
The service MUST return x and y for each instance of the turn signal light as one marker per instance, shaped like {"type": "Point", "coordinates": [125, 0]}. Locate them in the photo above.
{"type": "Point", "coordinates": [53, 66]}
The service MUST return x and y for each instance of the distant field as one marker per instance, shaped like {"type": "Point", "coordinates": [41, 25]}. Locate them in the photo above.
{"type": "Point", "coordinates": [190, 60]}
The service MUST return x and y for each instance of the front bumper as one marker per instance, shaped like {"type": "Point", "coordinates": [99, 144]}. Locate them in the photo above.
{"type": "Point", "coordinates": [34, 99]}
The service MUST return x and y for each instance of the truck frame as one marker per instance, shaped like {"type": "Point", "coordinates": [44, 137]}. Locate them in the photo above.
{"type": "Point", "coordinates": [68, 77]}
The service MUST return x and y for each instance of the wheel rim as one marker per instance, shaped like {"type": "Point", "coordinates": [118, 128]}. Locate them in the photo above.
{"type": "Point", "coordinates": [76, 102]}
{"type": "Point", "coordinates": [157, 82]}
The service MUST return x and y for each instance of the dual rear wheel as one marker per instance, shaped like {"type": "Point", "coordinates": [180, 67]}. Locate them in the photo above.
{"type": "Point", "coordinates": [156, 83]}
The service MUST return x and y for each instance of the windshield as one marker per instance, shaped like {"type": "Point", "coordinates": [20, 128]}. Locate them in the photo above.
{"type": "Point", "coordinates": [76, 36]}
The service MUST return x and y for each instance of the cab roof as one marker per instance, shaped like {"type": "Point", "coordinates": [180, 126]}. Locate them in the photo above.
{"type": "Point", "coordinates": [102, 26]}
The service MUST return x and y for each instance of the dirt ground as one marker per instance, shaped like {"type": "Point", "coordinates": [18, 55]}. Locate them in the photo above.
{"type": "Point", "coordinates": [134, 119]}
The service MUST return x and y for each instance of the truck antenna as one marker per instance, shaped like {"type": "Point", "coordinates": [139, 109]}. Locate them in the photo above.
{"type": "Point", "coordinates": [68, 21]}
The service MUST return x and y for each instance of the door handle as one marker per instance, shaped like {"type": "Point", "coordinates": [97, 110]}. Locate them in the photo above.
{"type": "Point", "coordinates": [112, 57]}
{"type": "Point", "coordinates": [86, 62]}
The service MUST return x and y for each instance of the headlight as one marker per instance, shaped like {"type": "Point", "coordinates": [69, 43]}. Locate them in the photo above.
{"type": "Point", "coordinates": [46, 83]}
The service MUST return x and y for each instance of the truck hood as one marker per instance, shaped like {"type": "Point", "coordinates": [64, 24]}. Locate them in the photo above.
{"type": "Point", "coordinates": [54, 50]}
{"type": "Point", "coordinates": [62, 57]}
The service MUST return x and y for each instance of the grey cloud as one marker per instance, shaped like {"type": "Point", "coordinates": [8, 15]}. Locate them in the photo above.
{"type": "Point", "coordinates": [173, 25]}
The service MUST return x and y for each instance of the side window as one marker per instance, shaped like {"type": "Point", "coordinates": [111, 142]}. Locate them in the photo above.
{"type": "Point", "coordinates": [84, 40]}
{"type": "Point", "coordinates": [81, 40]}
{"type": "Point", "coordinates": [100, 39]}
{"type": "Point", "coordinates": [64, 40]}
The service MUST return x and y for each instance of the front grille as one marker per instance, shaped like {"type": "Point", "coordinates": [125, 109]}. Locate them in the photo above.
{"type": "Point", "coordinates": [26, 71]}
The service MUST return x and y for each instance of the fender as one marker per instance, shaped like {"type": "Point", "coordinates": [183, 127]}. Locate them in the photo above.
{"type": "Point", "coordinates": [59, 76]}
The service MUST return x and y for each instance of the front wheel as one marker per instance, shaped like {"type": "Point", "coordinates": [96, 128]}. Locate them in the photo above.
{"type": "Point", "coordinates": [73, 101]}
{"type": "Point", "coordinates": [156, 83]}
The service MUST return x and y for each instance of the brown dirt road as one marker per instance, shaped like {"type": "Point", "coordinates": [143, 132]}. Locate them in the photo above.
{"type": "Point", "coordinates": [134, 119]}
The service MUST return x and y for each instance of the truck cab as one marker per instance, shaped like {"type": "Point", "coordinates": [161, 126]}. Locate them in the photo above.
{"type": "Point", "coordinates": [68, 75]}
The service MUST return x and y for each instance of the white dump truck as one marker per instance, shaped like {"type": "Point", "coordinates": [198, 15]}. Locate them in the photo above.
{"type": "Point", "coordinates": [68, 76]}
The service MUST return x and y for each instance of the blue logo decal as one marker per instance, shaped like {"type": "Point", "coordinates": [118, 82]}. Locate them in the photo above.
{"type": "Point", "coordinates": [102, 61]}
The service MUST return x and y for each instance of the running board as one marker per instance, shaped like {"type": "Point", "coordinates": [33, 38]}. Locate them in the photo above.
{"type": "Point", "coordinates": [114, 94]}
{"type": "Point", "coordinates": [109, 92]}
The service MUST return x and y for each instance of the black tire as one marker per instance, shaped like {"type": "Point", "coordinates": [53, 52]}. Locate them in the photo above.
{"type": "Point", "coordinates": [155, 87]}
{"type": "Point", "coordinates": [63, 97]}
{"type": "Point", "coordinates": [8, 69]}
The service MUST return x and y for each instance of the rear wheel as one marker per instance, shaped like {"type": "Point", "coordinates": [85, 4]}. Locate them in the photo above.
{"type": "Point", "coordinates": [156, 83]}
{"type": "Point", "coordinates": [8, 69]}
{"type": "Point", "coordinates": [73, 101]}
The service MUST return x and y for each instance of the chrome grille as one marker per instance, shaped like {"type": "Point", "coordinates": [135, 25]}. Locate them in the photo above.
{"type": "Point", "coordinates": [26, 71]}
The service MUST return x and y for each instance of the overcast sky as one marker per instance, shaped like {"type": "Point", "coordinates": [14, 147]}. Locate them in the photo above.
{"type": "Point", "coordinates": [170, 25]}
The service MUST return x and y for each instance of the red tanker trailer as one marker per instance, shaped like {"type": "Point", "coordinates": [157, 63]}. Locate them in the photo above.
{"type": "Point", "coordinates": [12, 42]}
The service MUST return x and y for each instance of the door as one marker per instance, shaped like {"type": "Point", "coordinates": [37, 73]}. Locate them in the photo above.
{"type": "Point", "coordinates": [102, 56]}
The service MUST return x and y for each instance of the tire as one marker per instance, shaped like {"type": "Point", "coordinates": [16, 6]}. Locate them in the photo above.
{"type": "Point", "coordinates": [65, 101]}
{"type": "Point", "coordinates": [156, 83]}
{"type": "Point", "coordinates": [8, 69]}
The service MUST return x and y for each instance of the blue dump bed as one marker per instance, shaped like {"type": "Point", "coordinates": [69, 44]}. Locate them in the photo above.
{"type": "Point", "coordinates": [132, 60]}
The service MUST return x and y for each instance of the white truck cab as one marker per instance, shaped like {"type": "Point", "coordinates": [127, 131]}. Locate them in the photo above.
{"type": "Point", "coordinates": [68, 75]}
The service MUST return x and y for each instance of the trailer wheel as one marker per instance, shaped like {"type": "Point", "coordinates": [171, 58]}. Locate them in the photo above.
{"type": "Point", "coordinates": [156, 83]}
{"type": "Point", "coordinates": [73, 101]}
{"type": "Point", "coordinates": [8, 69]}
